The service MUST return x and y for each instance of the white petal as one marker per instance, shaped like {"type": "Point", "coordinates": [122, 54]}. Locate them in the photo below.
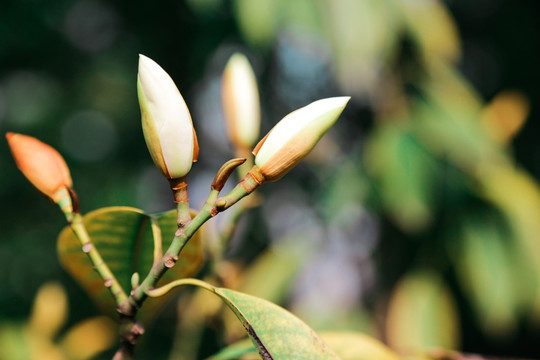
{"type": "Point", "coordinates": [170, 114]}
{"type": "Point", "coordinates": [294, 123]}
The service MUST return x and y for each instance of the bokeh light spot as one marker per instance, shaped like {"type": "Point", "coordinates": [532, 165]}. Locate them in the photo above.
{"type": "Point", "coordinates": [89, 136]}
{"type": "Point", "coordinates": [29, 98]}
{"type": "Point", "coordinates": [91, 25]}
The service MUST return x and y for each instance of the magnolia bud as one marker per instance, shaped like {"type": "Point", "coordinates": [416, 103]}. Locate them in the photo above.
{"type": "Point", "coordinates": [166, 122]}
{"type": "Point", "coordinates": [240, 98]}
{"type": "Point", "coordinates": [295, 136]}
{"type": "Point", "coordinates": [42, 165]}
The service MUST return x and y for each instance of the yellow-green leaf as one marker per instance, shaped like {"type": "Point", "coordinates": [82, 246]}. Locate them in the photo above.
{"type": "Point", "coordinates": [242, 349]}
{"type": "Point", "coordinates": [404, 171]}
{"type": "Point", "coordinates": [124, 238]}
{"type": "Point", "coordinates": [357, 346]}
{"type": "Point", "coordinates": [348, 345]}
{"type": "Point", "coordinates": [275, 332]}
{"type": "Point", "coordinates": [432, 27]}
{"type": "Point", "coordinates": [485, 272]}
{"type": "Point", "coordinates": [422, 314]}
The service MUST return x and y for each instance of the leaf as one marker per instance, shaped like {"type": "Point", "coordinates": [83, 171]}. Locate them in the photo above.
{"type": "Point", "coordinates": [405, 173]}
{"type": "Point", "coordinates": [257, 20]}
{"type": "Point", "coordinates": [446, 119]}
{"type": "Point", "coordinates": [505, 115]}
{"type": "Point", "coordinates": [282, 261]}
{"type": "Point", "coordinates": [275, 332]}
{"type": "Point", "coordinates": [49, 312]}
{"type": "Point", "coordinates": [422, 314]}
{"type": "Point", "coordinates": [517, 195]}
{"type": "Point", "coordinates": [123, 236]}
{"type": "Point", "coordinates": [348, 345]}
{"type": "Point", "coordinates": [485, 271]}
{"type": "Point", "coordinates": [89, 337]}
{"type": "Point", "coordinates": [13, 341]}
{"type": "Point", "coordinates": [358, 59]}
{"type": "Point", "coordinates": [242, 349]}
{"type": "Point", "coordinates": [432, 27]}
{"type": "Point", "coordinates": [357, 346]}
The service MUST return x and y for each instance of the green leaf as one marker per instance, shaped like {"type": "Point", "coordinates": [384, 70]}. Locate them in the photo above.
{"type": "Point", "coordinates": [123, 236]}
{"type": "Point", "coordinates": [485, 268]}
{"type": "Point", "coordinates": [275, 332]}
{"type": "Point", "coordinates": [348, 345]}
{"type": "Point", "coordinates": [239, 350]}
{"type": "Point", "coordinates": [14, 341]}
{"type": "Point", "coordinates": [404, 171]}
{"type": "Point", "coordinates": [282, 261]}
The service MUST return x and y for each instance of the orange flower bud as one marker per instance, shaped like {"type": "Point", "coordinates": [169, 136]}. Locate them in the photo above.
{"type": "Point", "coordinates": [42, 165]}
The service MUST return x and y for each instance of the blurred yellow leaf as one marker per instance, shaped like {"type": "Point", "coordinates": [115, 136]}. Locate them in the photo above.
{"type": "Point", "coordinates": [271, 273]}
{"type": "Point", "coordinates": [422, 314]}
{"type": "Point", "coordinates": [432, 26]}
{"type": "Point", "coordinates": [49, 311]}
{"type": "Point", "coordinates": [357, 346]}
{"type": "Point", "coordinates": [43, 349]}
{"type": "Point", "coordinates": [88, 338]}
{"type": "Point", "coordinates": [517, 195]}
{"type": "Point", "coordinates": [505, 115]}
{"type": "Point", "coordinates": [447, 120]}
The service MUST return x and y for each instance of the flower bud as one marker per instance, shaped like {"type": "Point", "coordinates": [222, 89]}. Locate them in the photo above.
{"type": "Point", "coordinates": [240, 98]}
{"type": "Point", "coordinates": [42, 165]}
{"type": "Point", "coordinates": [166, 122]}
{"type": "Point", "coordinates": [295, 136]}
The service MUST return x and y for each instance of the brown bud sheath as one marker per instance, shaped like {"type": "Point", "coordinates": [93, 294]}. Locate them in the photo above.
{"type": "Point", "coordinates": [225, 171]}
{"type": "Point", "coordinates": [42, 165]}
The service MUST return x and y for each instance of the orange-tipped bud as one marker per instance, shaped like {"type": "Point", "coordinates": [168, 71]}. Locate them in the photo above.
{"type": "Point", "coordinates": [42, 165]}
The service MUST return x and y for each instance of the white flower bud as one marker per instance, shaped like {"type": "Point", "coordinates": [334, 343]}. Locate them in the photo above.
{"type": "Point", "coordinates": [166, 122]}
{"type": "Point", "coordinates": [295, 136]}
{"type": "Point", "coordinates": [240, 98]}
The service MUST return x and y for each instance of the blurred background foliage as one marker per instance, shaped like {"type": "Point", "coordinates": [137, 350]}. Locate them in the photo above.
{"type": "Point", "coordinates": [416, 219]}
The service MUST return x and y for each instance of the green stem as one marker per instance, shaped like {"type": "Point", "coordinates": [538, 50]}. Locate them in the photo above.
{"type": "Point", "coordinates": [100, 266]}
{"type": "Point", "coordinates": [247, 185]}
{"type": "Point", "coordinates": [166, 288]}
{"type": "Point", "coordinates": [171, 256]}
{"type": "Point", "coordinates": [211, 208]}
{"type": "Point", "coordinates": [181, 198]}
